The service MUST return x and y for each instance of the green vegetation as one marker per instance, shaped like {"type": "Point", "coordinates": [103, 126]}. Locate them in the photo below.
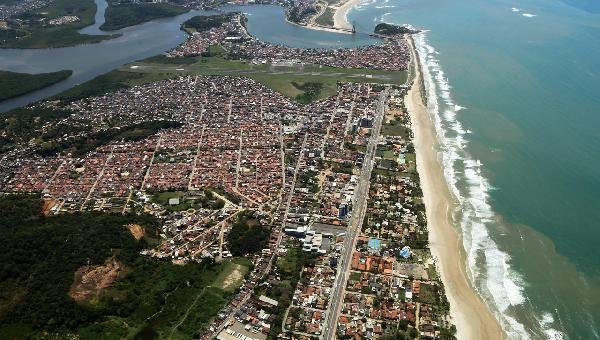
{"type": "Point", "coordinates": [14, 84]}
{"type": "Point", "coordinates": [396, 128]}
{"type": "Point", "coordinates": [310, 91]}
{"type": "Point", "coordinates": [295, 14]}
{"type": "Point", "coordinates": [344, 168]}
{"type": "Point", "coordinates": [290, 268]}
{"type": "Point", "coordinates": [429, 295]}
{"type": "Point", "coordinates": [206, 200]}
{"type": "Point", "coordinates": [247, 236]}
{"type": "Point", "coordinates": [108, 82]}
{"type": "Point", "coordinates": [280, 78]}
{"type": "Point", "coordinates": [83, 144]}
{"type": "Point", "coordinates": [147, 299]}
{"type": "Point", "coordinates": [326, 19]}
{"type": "Point", "coordinates": [34, 32]}
{"type": "Point", "coordinates": [389, 29]}
{"type": "Point", "coordinates": [203, 23]}
{"type": "Point", "coordinates": [21, 125]}
{"type": "Point", "coordinates": [231, 276]}
{"type": "Point", "coordinates": [163, 59]}
{"type": "Point", "coordinates": [120, 15]}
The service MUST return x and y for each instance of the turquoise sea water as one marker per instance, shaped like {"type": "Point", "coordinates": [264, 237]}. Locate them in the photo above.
{"type": "Point", "coordinates": [516, 97]}
{"type": "Point", "coordinates": [515, 89]}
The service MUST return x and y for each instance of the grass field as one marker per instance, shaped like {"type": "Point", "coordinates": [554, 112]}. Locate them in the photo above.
{"type": "Point", "coordinates": [395, 129]}
{"type": "Point", "coordinates": [279, 78]}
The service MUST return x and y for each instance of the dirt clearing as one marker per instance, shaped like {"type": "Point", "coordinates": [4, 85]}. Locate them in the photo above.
{"type": "Point", "coordinates": [91, 280]}
{"type": "Point", "coordinates": [136, 230]}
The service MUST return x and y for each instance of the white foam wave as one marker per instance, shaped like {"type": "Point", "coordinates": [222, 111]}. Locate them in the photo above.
{"type": "Point", "coordinates": [363, 5]}
{"type": "Point", "coordinates": [514, 9]}
{"type": "Point", "coordinates": [488, 266]}
{"type": "Point", "coordinates": [529, 15]}
{"type": "Point", "coordinates": [385, 6]}
{"type": "Point", "coordinates": [552, 334]}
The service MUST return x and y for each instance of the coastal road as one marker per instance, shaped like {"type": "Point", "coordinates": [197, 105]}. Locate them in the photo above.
{"type": "Point", "coordinates": [359, 205]}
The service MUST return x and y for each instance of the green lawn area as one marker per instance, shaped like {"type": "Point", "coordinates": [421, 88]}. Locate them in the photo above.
{"type": "Point", "coordinates": [280, 79]}
{"type": "Point", "coordinates": [395, 130]}
{"type": "Point", "coordinates": [428, 294]}
{"type": "Point", "coordinates": [163, 197]}
{"type": "Point", "coordinates": [389, 154]}
{"type": "Point", "coordinates": [159, 67]}
{"type": "Point", "coordinates": [289, 262]}
{"type": "Point", "coordinates": [36, 35]}
{"type": "Point", "coordinates": [14, 84]}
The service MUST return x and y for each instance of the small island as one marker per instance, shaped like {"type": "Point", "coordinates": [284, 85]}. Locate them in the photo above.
{"type": "Point", "coordinates": [390, 29]}
{"type": "Point", "coordinates": [13, 84]}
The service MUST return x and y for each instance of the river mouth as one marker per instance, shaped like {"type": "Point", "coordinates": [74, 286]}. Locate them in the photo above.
{"type": "Point", "coordinates": [87, 61]}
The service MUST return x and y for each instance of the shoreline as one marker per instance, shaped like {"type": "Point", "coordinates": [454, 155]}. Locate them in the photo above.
{"type": "Point", "coordinates": [340, 17]}
{"type": "Point", "coordinates": [471, 316]}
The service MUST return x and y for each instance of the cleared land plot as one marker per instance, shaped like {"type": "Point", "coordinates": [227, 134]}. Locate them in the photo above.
{"type": "Point", "coordinates": [279, 78]}
{"type": "Point", "coordinates": [231, 277]}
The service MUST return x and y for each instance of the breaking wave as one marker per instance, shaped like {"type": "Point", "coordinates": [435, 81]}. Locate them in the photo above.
{"type": "Point", "coordinates": [488, 266]}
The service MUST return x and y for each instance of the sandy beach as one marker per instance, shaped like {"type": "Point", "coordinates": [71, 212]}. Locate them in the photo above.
{"type": "Point", "coordinates": [340, 18]}
{"type": "Point", "coordinates": [472, 317]}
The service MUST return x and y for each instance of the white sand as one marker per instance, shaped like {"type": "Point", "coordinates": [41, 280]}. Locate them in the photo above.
{"type": "Point", "coordinates": [340, 18]}
{"type": "Point", "coordinates": [472, 317]}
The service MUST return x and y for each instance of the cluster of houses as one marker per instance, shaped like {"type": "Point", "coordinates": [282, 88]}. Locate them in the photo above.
{"type": "Point", "coordinates": [315, 205]}
{"type": "Point", "coordinates": [15, 8]}
{"type": "Point", "coordinates": [239, 145]}
{"type": "Point", "coordinates": [393, 54]}
{"type": "Point", "coordinates": [389, 282]}
{"type": "Point", "coordinates": [65, 19]}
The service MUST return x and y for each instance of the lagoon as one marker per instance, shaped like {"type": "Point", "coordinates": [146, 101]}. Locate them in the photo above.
{"type": "Point", "coordinates": [149, 39]}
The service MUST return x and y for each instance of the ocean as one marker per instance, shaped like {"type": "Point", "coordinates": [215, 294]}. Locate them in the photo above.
{"type": "Point", "coordinates": [514, 90]}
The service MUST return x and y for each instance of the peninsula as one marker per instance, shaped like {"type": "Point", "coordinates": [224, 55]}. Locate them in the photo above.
{"type": "Point", "coordinates": [13, 84]}
{"type": "Point", "coordinates": [323, 14]}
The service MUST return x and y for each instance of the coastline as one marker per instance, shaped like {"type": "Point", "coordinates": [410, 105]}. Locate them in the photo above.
{"type": "Point", "coordinates": [470, 314]}
{"type": "Point", "coordinates": [340, 18]}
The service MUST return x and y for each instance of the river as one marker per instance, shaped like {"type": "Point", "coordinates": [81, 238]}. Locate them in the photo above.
{"type": "Point", "coordinates": [149, 39]}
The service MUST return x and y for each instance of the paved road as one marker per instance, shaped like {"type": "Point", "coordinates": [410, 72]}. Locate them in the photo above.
{"type": "Point", "coordinates": [279, 238]}
{"type": "Point", "coordinates": [359, 205]}
{"type": "Point", "coordinates": [225, 71]}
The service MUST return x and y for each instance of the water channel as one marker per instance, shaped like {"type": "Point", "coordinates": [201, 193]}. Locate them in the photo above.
{"type": "Point", "coordinates": [149, 39]}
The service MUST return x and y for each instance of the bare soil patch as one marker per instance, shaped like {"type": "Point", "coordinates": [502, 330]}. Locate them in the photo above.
{"type": "Point", "coordinates": [233, 278]}
{"type": "Point", "coordinates": [136, 230]}
{"type": "Point", "coordinates": [91, 280]}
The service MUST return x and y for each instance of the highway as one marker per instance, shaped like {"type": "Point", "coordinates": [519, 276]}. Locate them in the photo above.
{"type": "Point", "coordinates": [359, 206]}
